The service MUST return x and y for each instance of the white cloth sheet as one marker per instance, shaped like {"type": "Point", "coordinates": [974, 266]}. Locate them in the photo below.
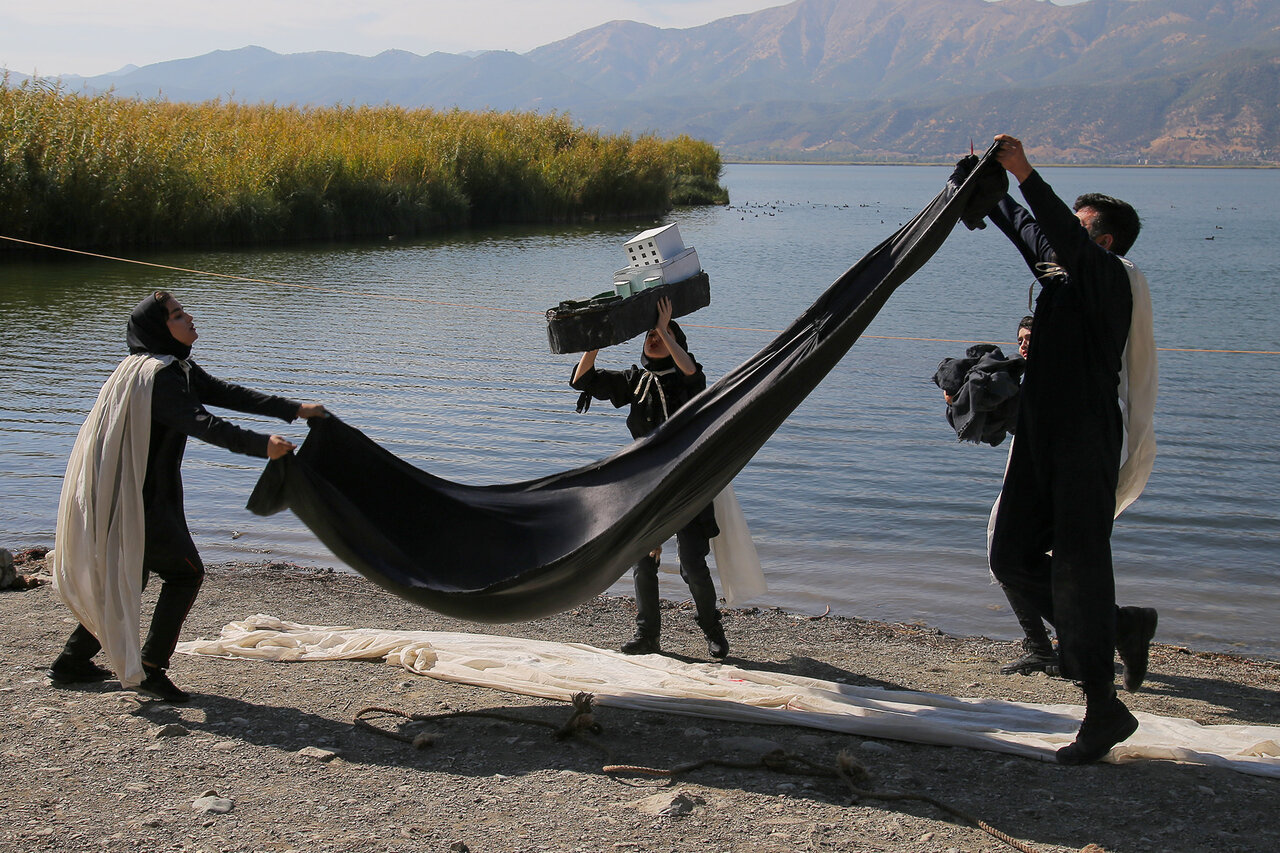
{"type": "Point", "coordinates": [98, 546]}
{"type": "Point", "coordinates": [653, 682]}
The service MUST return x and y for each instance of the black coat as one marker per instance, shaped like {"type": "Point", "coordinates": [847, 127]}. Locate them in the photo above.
{"type": "Point", "coordinates": [630, 387]}
{"type": "Point", "coordinates": [1070, 390]}
{"type": "Point", "coordinates": [177, 411]}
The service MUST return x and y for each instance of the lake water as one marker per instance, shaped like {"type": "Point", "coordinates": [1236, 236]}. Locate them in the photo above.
{"type": "Point", "coordinates": [863, 501]}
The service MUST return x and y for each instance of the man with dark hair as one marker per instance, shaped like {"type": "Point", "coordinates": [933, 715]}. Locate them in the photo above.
{"type": "Point", "coordinates": [668, 377]}
{"type": "Point", "coordinates": [1051, 538]}
{"type": "Point", "coordinates": [1111, 217]}
{"type": "Point", "coordinates": [1038, 653]}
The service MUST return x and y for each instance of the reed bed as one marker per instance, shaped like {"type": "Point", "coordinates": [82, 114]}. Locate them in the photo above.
{"type": "Point", "coordinates": [101, 171]}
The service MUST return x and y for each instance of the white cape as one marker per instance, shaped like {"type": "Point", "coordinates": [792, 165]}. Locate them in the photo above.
{"type": "Point", "coordinates": [653, 682]}
{"type": "Point", "coordinates": [98, 546]}
{"type": "Point", "coordinates": [737, 563]}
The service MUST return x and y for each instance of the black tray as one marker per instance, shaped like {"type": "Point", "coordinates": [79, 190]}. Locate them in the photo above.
{"type": "Point", "coordinates": [607, 320]}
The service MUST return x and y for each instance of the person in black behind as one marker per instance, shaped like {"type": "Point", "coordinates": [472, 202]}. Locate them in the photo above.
{"type": "Point", "coordinates": [1038, 653]}
{"type": "Point", "coordinates": [159, 325]}
{"type": "Point", "coordinates": [668, 378]}
{"type": "Point", "coordinates": [1051, 541]}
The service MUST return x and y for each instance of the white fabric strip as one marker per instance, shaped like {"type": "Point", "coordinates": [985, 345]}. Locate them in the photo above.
{"type": "Point", "coordinates": [653, 682]}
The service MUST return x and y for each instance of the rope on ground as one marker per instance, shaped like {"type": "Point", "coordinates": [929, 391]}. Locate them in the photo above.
{"type": "Point", "coordinates": [582, 720]}
{"type": "Point", "coordinates": [847, 769]}
{"type": "Point", "coordinates": [395, 298]}
{"type": "Point", "coordinates": [579, 722]}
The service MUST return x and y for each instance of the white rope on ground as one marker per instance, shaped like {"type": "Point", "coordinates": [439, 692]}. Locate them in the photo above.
{"type": "Point", "coordinates": [655, 683]}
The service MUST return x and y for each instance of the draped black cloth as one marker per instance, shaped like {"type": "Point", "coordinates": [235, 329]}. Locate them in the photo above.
{"type": "Point", "coordinates": [984, 388]}
{"type": "Point", "coordinates": [506, 553]}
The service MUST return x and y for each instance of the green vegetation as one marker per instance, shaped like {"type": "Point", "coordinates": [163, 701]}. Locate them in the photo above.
{"type": "Point", "coordinates": [103, 171]}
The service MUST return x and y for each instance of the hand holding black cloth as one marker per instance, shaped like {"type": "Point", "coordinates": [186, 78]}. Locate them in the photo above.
{"type": "Point", "coordinates": [992, 184]}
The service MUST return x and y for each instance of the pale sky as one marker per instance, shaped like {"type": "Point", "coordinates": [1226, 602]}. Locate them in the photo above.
{"type": "Point", "coordinates": [90, 37]}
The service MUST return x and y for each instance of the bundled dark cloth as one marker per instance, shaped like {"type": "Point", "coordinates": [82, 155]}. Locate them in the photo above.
{"type": "Point", "coordinates": [984, 388]}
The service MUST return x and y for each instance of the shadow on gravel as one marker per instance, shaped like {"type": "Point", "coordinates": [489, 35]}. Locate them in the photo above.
{"type": "Point", "coordinates": [1256, 704]}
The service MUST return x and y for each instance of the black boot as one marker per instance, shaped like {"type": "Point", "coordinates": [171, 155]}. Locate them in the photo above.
{"type": "Point", "coordinates": [1036, 657]}
{"type": "Point", "coordinates": [75, 665]}
{"type": "Point", "coordinates": [717, 643]}
{"type": "Point", "coordinates": [74, 671]}
{"type": "Point", "coordinates": [156, 684]}
{"type": "Point", "coordinates": [641, 644]}
{"type": "Point", "coordinates": [1135, 626]}
{"type": "Point", "coordinates": [1107, 722]}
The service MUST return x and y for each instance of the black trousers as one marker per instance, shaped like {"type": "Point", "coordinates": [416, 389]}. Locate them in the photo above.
{"type": "Point", "coordinates": [176, 562]}
{"type": "Point", "coordinates": [693, 547]}
{"type": "Point", "coordinates": [1062, 499]}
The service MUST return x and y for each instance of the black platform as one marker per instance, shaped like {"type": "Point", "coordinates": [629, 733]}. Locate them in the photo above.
{"type": "Point", "coordinates": [607, 320]}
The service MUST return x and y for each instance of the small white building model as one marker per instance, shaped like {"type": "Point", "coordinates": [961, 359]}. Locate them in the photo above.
{"type": "Point", "coordinates": [658, 252]}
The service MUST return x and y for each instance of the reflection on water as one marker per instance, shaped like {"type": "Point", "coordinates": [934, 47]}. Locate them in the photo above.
{"type": "Point", "coordinates": [863, 500]}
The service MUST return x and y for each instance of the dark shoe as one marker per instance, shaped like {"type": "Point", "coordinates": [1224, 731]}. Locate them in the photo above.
{"type": "Point", "coordinates": [1134, 630]}
{"type": "Point", "coordinates": [158, 686]}
{"type": "Point", "coordinates": [66, 671]}
{"type": "Point", "coordinates": [717, 644]}
{"type": "Point", "coordinates": [641, 644]}
{"type": "Point", "coordinates": [1105, 725]}
{"type": "Point", "coordinates": [1036, 658]}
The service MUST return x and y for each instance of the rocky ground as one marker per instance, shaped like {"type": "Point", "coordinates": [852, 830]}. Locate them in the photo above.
{"type": "Point", "coordinates": [266, 757]}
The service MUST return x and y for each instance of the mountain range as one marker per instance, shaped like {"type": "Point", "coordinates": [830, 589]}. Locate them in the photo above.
{"type": "Point", "coordinates": [1104, 81]}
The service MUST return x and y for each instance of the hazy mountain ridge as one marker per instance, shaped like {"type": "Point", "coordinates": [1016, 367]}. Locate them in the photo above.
{"type": "Point", "coordinates": [1103, 81]}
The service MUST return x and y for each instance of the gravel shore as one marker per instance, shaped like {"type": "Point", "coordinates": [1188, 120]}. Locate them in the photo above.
{"type": "Point", "coordinates": [266, 757]}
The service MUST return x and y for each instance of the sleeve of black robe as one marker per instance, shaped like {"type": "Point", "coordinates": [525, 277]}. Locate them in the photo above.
{"type": "Point", "coordinates": [616, 386]}
{"type": "Point", "coordinates": [1096, 274]}
{"type": "Point", "coordinates": [178, 403]}
{"type": "Point", "coordinates": [1017, 223]}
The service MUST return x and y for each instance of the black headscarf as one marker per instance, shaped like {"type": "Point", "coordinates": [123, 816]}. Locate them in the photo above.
{"type": "Point", "coordinates": [149, 330]}
{"type": "Point", "coordinates": [658, 365]}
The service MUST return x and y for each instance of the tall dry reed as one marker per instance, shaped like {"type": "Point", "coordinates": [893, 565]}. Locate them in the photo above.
{"type": "Point", "coordinates": [102, 171]}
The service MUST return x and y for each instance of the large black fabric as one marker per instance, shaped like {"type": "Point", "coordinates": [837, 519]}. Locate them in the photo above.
{"type": "Point", "coordinates": [505, 553]}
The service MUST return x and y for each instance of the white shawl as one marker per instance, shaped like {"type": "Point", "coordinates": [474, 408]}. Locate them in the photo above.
{"type": "Point", "coordinates": [97, 558]}
{"type": "Point", "coordinates": [1139, 377]}
{"type": "Point", "coordinates": [737, 562]}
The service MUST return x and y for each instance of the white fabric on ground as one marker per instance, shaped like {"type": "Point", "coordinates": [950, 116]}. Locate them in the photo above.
{"type": "Point", "coordinates": [653, 682]}
{"type": "Point", "coordinates": [97, 557]}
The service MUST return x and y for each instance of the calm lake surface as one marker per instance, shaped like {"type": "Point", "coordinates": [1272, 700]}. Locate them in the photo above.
{"type": "Point", "coordinates": [863, 501]}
